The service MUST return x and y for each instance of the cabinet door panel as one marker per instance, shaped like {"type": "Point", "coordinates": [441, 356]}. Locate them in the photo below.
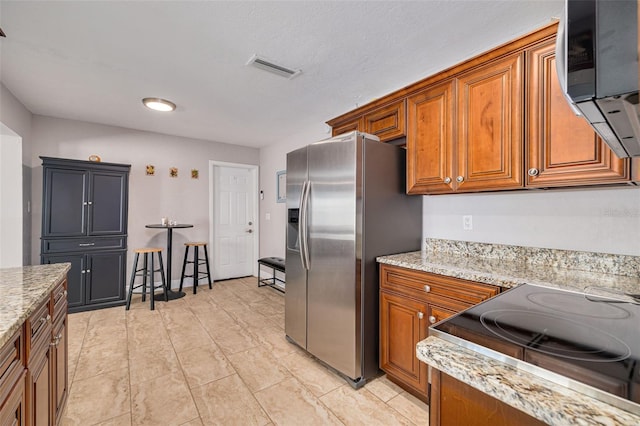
{"type": "Point", "coordinates": [347, 127]}
{"type": "Point", "coordinates": [401, 328]}
{"type": "Point", "coordinates": [75, 276]}
{"type": "Point", "coordinates": [430, 140]}
{"type": "Point", "coordinates": [563, 149]}
{"type": "Point", "coordinates": [489, 107]}
{"type": "Point", "coordinates": [13, 409]}
{"type": "Point", "coordinates": [39, 396]}
{"type": "Point", "coordinates": [64, 210]}
{"type": "Point", "coordinates": [108, 201]}
{"type": "Point", "coordinates": [60, 364]}
{"type": "Point", "coordinates": [387, 123]}
{"type": "Point", "coordinates": [105, 279]}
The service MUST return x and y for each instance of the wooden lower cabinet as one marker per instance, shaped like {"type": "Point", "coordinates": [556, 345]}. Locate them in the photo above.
{"type": "Point", "coordinates": [39, 392]}
{"type": "Point", "coordinates": [410, 301]}
{"type": "Point", "coordinates": [455, 403]}
{"type": "Point", "coordinates": [60, 370]}
{"type": "Point", "coordinates": [402, 325]}
{"type": "Point", "coordinates": [13, 409]}
{"type": "Point", "coordinates": [34, 366]}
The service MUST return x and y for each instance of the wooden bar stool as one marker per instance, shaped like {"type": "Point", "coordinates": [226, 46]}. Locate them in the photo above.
{"type": "Point", "coordinates": [147, 272]}
{"type": "Point", "coordinates": [197, 274]}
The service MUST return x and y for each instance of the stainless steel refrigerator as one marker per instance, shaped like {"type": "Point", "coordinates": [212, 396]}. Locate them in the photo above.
{"type": "Point", "coordinates": [346, 205]}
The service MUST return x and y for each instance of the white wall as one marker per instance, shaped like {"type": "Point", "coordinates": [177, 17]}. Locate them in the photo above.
{"type": "Point", "coordinates": [600, 220]}
{"type": "Point", "coordinates": [150, 197]}
{"type": "Point", "coordinates": [272, 160]}
{"type": "Point", "coordinates": [19, 119]}
{"type": "Point", "coordinates": [10, 192]}
{"type": "Point", "coordinates": [589, 219]}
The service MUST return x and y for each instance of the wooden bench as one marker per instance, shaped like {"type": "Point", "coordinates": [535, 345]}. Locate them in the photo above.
{"type": "Point", "coordinates": [277, 265]}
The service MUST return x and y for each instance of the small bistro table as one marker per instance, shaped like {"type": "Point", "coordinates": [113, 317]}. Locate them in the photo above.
{"type": "Point", "coordinates": [172, 294]}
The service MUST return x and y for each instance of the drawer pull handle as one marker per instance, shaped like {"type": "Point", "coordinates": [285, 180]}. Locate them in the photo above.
{"type": "Point", "coordinates": [427, 288]}
{"type": "Point", "coordinates": [86, 244]}
{"type": "Point", "coordinates": [420, 315]}
{"type": "Point", "coordinates": [433, 319]}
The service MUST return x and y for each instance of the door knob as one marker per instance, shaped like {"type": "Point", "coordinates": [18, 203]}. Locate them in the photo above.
{"type": "Point", "coordinates": [250, 223]}
{"type": "Point", "coordinates": [249, 231]}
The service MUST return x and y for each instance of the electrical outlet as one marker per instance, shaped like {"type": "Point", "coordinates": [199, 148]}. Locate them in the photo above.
{"type": "Point", "coordinates": [467, 222]}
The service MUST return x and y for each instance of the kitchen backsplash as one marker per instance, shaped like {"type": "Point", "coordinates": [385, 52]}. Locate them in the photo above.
{"type": "Point", "coordinates": [581, 260]}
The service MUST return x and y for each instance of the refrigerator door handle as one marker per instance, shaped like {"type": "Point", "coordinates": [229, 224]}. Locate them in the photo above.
{"type": "Point", "coordinates": [304, 207]}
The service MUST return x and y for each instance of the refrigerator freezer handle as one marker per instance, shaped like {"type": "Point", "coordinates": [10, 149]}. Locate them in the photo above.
{"type": "Point", "coordinates": [304, 205]}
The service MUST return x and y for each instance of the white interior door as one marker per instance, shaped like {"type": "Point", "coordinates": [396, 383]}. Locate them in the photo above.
{"type": "Point", "coordinates": [234, 222]}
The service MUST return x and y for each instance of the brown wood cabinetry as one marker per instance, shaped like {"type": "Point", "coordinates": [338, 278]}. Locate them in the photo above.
{"type": "Point", "coordinates": [33, 365]}
{"type": "Point", "coordinates": [465, 133]}
{"type": "Point", "coordinates": [410, 301]}
{"type": "Point", "coordinates": [456, 403]}
{"type": "Point", "coordinates": [562, 148]}
{"type": "Point", "coordinates": [12, 381]}
{"type": "Point", "coordinates": [386, 122]}
{"type": "Point", "coordinates": [489, 126]}
{"type": "Point", "coordinates": [498, 121]}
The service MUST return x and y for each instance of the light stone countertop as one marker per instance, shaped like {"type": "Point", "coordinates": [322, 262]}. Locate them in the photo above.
{"type": "Point", "coordinates": [508, 266]}
{"type": "Point", "coordinates": [509, 272]}
{"type": "Point", "coordinates": [23, 289]}
{"type": "Point", "coordinates": [551, 403]}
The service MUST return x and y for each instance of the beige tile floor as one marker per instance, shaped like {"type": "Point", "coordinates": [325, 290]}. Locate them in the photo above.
{"type": "Point", "coordinates": [218, 357]}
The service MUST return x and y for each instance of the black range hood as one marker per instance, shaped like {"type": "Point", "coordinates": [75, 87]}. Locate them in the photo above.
{"type": "Point", "coordinates": [598, 67]}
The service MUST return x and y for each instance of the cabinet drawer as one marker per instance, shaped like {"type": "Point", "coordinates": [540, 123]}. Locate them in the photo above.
{"type": "Point", "coordinates": [38, 329]}
{"type": "Point", "coordinates": [11, 364]}
{"type": "Point", "coordinates": [423, 284]}
{"type": "Point", "coordinates": [83, 244]}
{"type": "Point", "coordinates": [59, 299]}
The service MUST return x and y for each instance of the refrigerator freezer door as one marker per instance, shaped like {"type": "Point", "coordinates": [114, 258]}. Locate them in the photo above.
{"type": "Point", "coordinates": [333, 290]}
{"type": "Point", "coordinates": [295, 313]}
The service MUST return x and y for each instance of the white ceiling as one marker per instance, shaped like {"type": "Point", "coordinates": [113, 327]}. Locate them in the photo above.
{"type": "Point", "coordinates": [95, 60]}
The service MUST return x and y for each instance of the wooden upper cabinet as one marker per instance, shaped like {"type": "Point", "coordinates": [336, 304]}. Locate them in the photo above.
{"type": "Point", "coordinates": [386, 122]}
{"type": "Point", "coordinates": [347, 127]}
{"type": "Point", "coordinates": [562, 148]}
{"type": "Point", "coordinates": [430, 140]}
{"type": "Point", "coordinates": [489, 126]}
{"type": "Point", "coordinates": [465, 134]}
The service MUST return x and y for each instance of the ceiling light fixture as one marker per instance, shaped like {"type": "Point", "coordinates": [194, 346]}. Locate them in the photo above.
{"type": "Point", "coordinates": [158, 104]}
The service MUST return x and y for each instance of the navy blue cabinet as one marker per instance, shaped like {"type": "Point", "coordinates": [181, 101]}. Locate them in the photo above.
{"type": "Point", "coordinates": [84, 222]}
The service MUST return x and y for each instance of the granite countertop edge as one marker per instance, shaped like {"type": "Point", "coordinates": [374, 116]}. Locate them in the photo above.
{"type": "Point", "coordinates": [24, 289]}
{"type": "Point", "coordinates": [508, 273]}
{"type": "Point", "coordinates": [544, 400]}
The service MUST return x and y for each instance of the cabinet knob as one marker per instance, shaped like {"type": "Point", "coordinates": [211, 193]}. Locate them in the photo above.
{"type": "Point", "coordinates": [65, 293]}
{"type": "Point", "coordinates": [420, 315]}
{"type": "Point", "coordinates": [427, 288]}
{"type": "Point", "coordinates": [85, 203]}
{"type": "Point", "coordinates": [460, 179]}
{"type": "Point", "coordinates": [88, 271]}
{"type": "Point", "coordinates": [432, 319]}
{"type": "Point", "coordinates": [533, 172]}
{"type": "Point", "coordinates": [90, 202]}
{"type": "Point", "coordinates": [447, 180]}
{"type": "Point", "coordinates": [83, 272]}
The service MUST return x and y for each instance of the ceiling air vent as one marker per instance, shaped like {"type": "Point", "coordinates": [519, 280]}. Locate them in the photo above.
{"type": "Point", "coordinates": [264, 64]}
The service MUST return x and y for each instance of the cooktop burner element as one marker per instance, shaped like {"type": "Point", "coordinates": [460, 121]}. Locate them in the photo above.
{"type": "Point", "coordinates": [555, 335]}
{"type": "Point", "coordinates": [593, 340]}
{"type": "Point", "coordinates": [567, 303]}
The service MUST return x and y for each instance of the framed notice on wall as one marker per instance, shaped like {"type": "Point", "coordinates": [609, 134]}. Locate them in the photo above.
{"type": "Point", "coordinates": [281, 186]}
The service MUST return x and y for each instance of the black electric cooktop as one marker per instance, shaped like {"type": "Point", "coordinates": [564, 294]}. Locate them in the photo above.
{"type": "Point", "coordinates": [591, 337]}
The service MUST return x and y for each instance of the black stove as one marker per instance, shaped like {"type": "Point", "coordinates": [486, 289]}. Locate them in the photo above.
{"type": "Point", "coordinates": [591, 338]}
